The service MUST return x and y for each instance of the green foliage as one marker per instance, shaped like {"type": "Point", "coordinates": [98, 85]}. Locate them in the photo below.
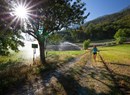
{"type": "Point", "coordinates": [9, 37]}
{"type": "Point", "coordinates": [127, 31]}
{"type": "Point", "coordinates": [55, 38]}
{"type": "Point", "coordinates": [120, 40]}
{"type": "Point", "coordinates": [76, 35]}
{"type": "Point", "coordinates": [10, 40]}
{"type": "Point", "coordinates": [73, 35]}
{"type": "Point", "coordinates": [58, 14]}
{"type": "Point", "coordinates": [86, 44]}
{"type": "Point", "coordinates": [121, 35]}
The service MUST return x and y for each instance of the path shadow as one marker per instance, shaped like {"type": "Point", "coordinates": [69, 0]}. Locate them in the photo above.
{"type": "Point", "coordinates": [70, 85]}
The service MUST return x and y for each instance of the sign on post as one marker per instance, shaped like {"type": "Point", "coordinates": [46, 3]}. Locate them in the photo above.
{"type": "Point", "coordinates": [34, 45]}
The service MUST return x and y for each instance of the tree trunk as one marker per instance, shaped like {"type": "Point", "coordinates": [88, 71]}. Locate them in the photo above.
{"type": "Point", "coordinates": [42, 52]}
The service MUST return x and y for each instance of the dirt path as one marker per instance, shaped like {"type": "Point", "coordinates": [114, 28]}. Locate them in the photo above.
{"type": "Point", "coordinates": [72, 78]}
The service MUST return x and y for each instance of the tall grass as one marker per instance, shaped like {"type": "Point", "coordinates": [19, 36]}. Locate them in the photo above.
{"type": "Point", "coordinates": [63, 56]}
{"type": "Point", "coordinates": [116, 54]}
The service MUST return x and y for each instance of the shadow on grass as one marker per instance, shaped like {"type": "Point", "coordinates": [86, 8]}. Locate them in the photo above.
{"type": "Point", "coordinates": [120, 64]}
{"type": "Point", "coordinates": [14, 76]}
{"type": "Point", "coordinates": [67, 80]}
{"type": "Point", "coordinates": [70, 85]}
{"type": "Point", "coordinates": [11, 75]}
{"type": "Point", "coordinates": [121, 82]}
{"type": "Point", "coordinates": [9, 64]}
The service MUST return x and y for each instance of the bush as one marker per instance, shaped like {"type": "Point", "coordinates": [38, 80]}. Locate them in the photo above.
{"type": "Point", "coordinates": [121, 36]}
{"type": "Point", "coordinates": [120, 33]}
{"type": "Point", "coordinates": [86, 44]}
{"type": "Point", "coordinates": [120, 40]}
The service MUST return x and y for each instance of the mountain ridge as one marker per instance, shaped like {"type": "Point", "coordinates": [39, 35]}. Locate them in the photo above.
{"type": "Point", "coordinates": [99, 19]}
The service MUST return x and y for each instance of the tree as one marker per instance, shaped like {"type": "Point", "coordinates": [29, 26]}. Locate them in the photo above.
{"type": "Point", "coordinates": [120, 36]}
{"type": "Point", "coordinates": [10, 41]}
{"type": "Point", "coordinates": [86, 44]}
{"type": "Point", "coordinates": [90, 31]}
{"type": "Point", "coordinates": [127, 31]}
{"type": "Point", "coordinates": [47, 16]}
{"type": "Point", "coordinates": [9, 38]}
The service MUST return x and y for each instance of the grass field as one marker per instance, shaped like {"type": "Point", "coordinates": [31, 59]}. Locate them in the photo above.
{"type": "Point", "coordinates": [116, 54]}
{"type": "Point", "coordinates": [13, 57]}
{"type": "Point", "coordinates": [69, 53]}
{"type": "Point", "coordinates": [117, 63]}
{"type": "Point", "coordinates": [64, 55]}
{"type": "Point", "coordinates": [52, 56]}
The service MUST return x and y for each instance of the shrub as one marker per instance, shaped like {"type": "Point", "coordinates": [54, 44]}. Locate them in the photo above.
{"type": "Point", "coordinates": [86, 44]}
{"type": "Point", "coordinates": [120, 33]}
{"type": "Point", "coordinates": [121, 36]}
{"type": "Point", "coordinates": [120, 40]}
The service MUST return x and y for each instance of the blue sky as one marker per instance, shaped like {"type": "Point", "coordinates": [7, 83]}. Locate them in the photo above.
{"type": "Point", "coordinates": [99, 8]}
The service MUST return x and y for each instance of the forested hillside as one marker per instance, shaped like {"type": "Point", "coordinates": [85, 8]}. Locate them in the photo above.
{"type": "Point", "coordinates": [105, 27]}
{"type": "Point", "coordinates": [101, 28]}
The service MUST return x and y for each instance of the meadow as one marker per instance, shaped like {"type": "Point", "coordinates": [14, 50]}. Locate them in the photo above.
{"type": "Point", "coordinates": [116, 62]}
{"type": "Point", "coordinates": [116, 54]}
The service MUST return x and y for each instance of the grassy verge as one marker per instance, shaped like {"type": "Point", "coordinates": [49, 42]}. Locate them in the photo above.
{"type": "Point", "coordinates": [12, 57]}
{"type": "Point", "coordinates": [60, 57]}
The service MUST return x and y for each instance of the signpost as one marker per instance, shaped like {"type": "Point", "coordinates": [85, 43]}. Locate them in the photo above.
{"type": "Point", "coordinates": [34, 46]}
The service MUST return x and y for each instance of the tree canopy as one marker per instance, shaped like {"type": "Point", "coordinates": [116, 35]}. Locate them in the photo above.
{"type": "Point", "coordinates": [9, 37]}
{"type": "Point", "coordinates": [47, 16]}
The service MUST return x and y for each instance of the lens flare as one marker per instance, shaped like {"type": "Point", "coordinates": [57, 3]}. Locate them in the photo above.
{"type": "Point", "coordinates": [21, 12]}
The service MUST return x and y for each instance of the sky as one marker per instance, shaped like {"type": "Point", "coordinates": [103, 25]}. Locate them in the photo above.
{"type": "Point", "coordinates": [99, 8]}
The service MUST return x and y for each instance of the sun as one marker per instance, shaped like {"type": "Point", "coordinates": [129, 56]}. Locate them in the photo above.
{"type": "Point", "coordinates": [21, 12]}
